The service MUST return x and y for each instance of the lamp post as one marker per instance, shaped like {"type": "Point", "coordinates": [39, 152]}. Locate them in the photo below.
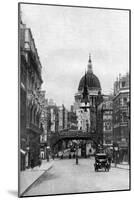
{"type": "Point", "coordinates": [77, 147]}
{"type": "Point", "coordinates": [116, 150]}
{"type": "Point", "coordinates": [77, 153]}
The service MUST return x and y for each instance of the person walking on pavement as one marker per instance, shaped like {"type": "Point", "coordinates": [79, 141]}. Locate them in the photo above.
{"type": "Point", "coordinates": [109, 160]}
{"type": "Point", "coordinates": [47, 157]}
{"type": "Point", "coordinates": [39, 162]}
{"type": "Point", "coordinates": [53, 156]}
{"type": "Point", "coordinates": [32, 163]}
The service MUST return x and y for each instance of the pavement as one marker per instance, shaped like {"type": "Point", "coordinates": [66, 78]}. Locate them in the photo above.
{"type": "Point", "coordinates": [30, 176]}
{"type": "Point", "coordinates": [121, 166]}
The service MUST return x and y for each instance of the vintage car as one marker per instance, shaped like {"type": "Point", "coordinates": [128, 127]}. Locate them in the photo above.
{"type": "Point", "coordinates": [101, 162]}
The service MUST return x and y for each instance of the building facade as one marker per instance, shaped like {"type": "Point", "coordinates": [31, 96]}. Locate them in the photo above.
{"type": "Point", "coordinates": [107, 110]}
{"type": "Point", "coordinates": [72, 119]}
{"type": "Point", "coordinates": [87, 100]}
{"type": "Point", "coordinates": [62, 118]}
{"type": "Point", "coordinates": [43, 119]}
{"type": "Point", "coordinates": [121, 130]}
{"type": "Point", "coordinates": [30, 110]}
{"type": "Point", "coordinates": [90, 83]}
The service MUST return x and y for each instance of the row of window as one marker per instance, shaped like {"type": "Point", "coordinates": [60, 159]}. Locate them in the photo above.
{"type": "Point", "coordinates": [108, 105]}
{"type": "Point", "coordinates": [34, 116]}
{"type": "Point", "coordinates": [122, 117]}
{"type": "Point", "coordinates": [122, 102]}
{"type": "Point", "coordinates": [107, 126]}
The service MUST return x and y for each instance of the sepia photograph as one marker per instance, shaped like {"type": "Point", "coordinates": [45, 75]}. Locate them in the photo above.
{"type": "Point", "coordinates": [74, 99]}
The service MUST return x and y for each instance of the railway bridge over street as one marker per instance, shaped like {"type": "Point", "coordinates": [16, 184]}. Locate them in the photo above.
{"type": "Point", "coordinates": [66, 135]}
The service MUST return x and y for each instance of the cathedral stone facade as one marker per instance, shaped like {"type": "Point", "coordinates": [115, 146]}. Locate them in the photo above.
{"type": "Point", "coordinates": [86, 119]}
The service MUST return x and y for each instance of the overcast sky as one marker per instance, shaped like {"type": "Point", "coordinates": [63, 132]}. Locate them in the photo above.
{"type": "Point", "coordinates": [64, 37]}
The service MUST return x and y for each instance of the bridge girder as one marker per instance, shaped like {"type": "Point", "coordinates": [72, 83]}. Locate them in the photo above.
{"type": "Point", "coordinates": [55, 138]}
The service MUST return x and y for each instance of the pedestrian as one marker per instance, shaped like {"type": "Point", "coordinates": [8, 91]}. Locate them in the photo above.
{"type": "Point", "coordinates": [90, 151]}
{"type": "Point", "coordinates": [47, 156]}
{"type": "Point", "coordinates": [32, 163]}
{"type": "Point", "coordinates": [109, 160]}
{"type": "Point", "coordinates": [39, 162]}
{"type": "Point", "coordinates": [69, 155]}
{"type": "Point", "coordinates": [53, 156]}
{"type": "Point", "coordinates": [61, 155]}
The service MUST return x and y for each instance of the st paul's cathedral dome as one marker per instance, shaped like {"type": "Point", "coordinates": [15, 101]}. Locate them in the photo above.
{"type": "Point", "coordinates": [92, 80]}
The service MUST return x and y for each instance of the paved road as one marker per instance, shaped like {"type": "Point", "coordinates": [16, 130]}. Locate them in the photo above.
{"type": "Point", "coordinates": [67, 177]}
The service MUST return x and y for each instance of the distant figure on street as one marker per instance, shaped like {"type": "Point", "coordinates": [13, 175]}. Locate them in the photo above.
{"type": "Point", "coordinates": [53, 156]}
{"type": "Point", "coordinates": [32, 163]}
{"type": "Point", "coordinates": [47, 156]}
{"type": "Point", "coordinates": [61, 155]}
{"type": "Point", "coordinates": [109, 160]}
{"type": "Point", "coordinates": [90, 151]}
{"type": "Point", "coordinates": [39, 162]}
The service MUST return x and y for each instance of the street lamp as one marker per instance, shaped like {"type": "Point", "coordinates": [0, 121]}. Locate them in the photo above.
{"type": "Point", "coordinates": [77, 147]}
{"type": "Point", "coordinates": [76, 153]}
{"type": "Point", "coordinates": [76, 150]}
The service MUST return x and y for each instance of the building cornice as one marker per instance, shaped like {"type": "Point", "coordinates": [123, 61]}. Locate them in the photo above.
{"type": "Point", "coordinates": [121, 92]}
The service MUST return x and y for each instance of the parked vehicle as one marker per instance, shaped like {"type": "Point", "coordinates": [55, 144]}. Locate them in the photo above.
{"type": "Point", "coordinates": [101, 162]}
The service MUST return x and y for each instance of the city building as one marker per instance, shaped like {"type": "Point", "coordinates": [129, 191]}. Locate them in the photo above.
{"type": "Point", "coordinates": [72, 119]}
{"type": "Point", "coordinates": [43, 119]}
{"type": "Point", "coordinates": [60, 114]}
{"type": "Point", "coordinates": [54, 118]}
{"type": "Point", "coordinates": [63, 118]}
{"type": "Point", "coordinates": [52, 122]}
{"type": "Point", "coordinates": [107, 110]}
{"type": "Point", "coordinates": [57, 122]}
{"type": "Point", "coordinates": [87, 118]}
{"type": "Point", "coordinates": [30, 110]}
{"type": "Point", "coordinates": [121, 108]}
{"type": "Point", "coordinates": [87, 100]}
